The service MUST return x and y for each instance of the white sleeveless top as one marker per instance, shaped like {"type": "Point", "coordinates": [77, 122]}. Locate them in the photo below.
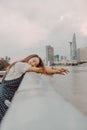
{"type": "Point", "coordinates": [17, 70]}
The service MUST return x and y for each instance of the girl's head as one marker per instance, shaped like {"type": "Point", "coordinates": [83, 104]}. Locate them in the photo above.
{"type": "Point", "coordinates": [34, 60]}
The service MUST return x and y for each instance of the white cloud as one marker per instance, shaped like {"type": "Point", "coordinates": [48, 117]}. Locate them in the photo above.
{"type": "Point", "coordinates": [15, 27]}
{"type": "Point", "coordinates": [26, 23]}
{"type": "Point", "coordinates": [83, 28]}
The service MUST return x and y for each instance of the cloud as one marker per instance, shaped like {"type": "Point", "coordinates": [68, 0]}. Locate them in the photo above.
{"type": "Point", "coordinates": [83, 28]}
{"type": "Point", "coordinates": [15, 27]}
{"type": "Point", "coordinates": [33, 24]}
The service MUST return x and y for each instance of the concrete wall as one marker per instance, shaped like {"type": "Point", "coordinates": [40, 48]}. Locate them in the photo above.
{"type": "Point", "coordinates": [37, 106]}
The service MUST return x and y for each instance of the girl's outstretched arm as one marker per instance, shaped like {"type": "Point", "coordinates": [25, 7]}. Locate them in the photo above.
{"type": "Point", "coordinates": [48, 70]}
{"type": "Point", "coordinates": [36, 69]}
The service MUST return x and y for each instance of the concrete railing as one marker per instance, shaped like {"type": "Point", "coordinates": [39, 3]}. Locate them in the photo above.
{"type": "Point", "coordinates": [2, 73]}
{"type": "Point", "coordinates": [37, 106]}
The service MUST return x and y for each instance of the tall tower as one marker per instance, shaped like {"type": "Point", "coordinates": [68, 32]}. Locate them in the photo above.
{"type": "Point", "coordinates": [73, 48]}
{"type": "Point", "coordinates": [49, 55]}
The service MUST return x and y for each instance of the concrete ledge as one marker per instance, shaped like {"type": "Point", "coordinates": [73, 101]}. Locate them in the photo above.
{"type": "Point", "coordinates": [2, 73]}
{"type": "Point", "coordinates": [37, 106]}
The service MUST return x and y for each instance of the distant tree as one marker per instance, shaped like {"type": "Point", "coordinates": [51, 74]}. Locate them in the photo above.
{"type": "Point", "coordinates": [4, 62]}
{"type": "Point", "coordinates": [7, 59]}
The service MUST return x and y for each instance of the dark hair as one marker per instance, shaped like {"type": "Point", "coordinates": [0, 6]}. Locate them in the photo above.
{"type": "Point", "coordinates": [41, 64]}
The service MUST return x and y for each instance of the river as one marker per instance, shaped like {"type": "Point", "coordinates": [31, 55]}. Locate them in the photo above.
{"type": "Point", "coordinates": [73, 86]}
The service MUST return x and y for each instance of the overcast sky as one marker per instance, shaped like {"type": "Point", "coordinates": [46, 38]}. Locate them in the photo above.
{"type": "Point", "coordinates": [27, 26]}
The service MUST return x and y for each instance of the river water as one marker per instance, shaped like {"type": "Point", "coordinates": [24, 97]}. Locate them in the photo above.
{"type": "Point", "coordinates": [73, 86]}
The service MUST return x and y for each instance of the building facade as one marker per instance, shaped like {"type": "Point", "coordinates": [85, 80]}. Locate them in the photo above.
{"type": "Point", "coordinates": [73, 48]}
{"type": "Point", "coordinates": [49, 55]}
{"type": "Point", "coordinates": [82, 54]}
{"type": "Point", "coordinates": [56, 58]}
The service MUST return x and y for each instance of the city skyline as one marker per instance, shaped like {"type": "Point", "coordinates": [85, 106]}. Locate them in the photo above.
{"type": "Point", "coordinates": [55, 49]}
{"type": "Point", "coordinates": [28, 26]}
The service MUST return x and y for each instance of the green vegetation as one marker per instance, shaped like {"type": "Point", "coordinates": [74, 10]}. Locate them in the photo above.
{"type": "Point", "coordinates": [4, 62]}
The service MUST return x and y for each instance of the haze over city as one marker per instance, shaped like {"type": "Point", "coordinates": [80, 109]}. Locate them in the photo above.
{"type": "Point", "coordinates": [27, 26]}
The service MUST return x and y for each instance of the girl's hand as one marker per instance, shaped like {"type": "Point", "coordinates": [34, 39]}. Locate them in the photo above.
{"type": "Point", "coordinates": [62, 71]}
{"type": "Point", "coordinates": [54, 70]}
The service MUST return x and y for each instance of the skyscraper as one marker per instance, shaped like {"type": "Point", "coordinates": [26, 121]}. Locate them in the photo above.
{"type": "Point", "coordinates": [73, 48]}
{"type": "Point", "coordinates": [49, 55]}
{"type": "Point", "coordinates": [82, 54]}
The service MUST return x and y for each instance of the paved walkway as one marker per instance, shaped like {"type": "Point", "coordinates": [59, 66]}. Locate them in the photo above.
{"type": "Point", "coordinates": [37, 106]}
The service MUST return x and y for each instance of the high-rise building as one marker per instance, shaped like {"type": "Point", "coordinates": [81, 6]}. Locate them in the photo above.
{"type": "Point", "coordinates": [56, 58]}
{"type": "Point", "coordinates": [49, 55]}
{"type": "Point", "coordinates": [73, 48]}
{"type": "Point", "coordinates": [82, 54]}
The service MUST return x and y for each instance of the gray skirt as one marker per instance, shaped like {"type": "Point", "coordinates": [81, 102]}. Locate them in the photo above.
{"type": "Point", "coordinates": [7, 91]}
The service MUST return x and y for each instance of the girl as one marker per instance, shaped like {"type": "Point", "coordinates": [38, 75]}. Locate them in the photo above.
{"type": "Point", "coordinates": [14, 76]}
